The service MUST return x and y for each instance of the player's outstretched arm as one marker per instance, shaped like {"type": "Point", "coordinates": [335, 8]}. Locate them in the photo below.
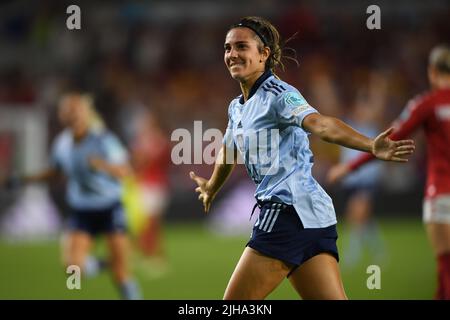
{"type": "Point", "coordinates": [209, 188]}
{"type": "Point", "coordinates": [117, 171]}
{"type": "Point", "coordinates": [13, 182]}
{"type": "Point", "coordinates": [336, 131]}
{"type": "Point", "coordinates": [42, 176]}
{"type": "Point", "coordinates": [383, 148]}
{"type": "Point", "coordinates": [337, 173]}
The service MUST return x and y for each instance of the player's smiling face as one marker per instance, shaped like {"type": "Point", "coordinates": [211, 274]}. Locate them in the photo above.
{"type": "Point", "coordinates": [242, 55]}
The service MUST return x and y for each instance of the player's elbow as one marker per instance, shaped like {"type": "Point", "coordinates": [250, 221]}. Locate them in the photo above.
{"type": "Point", "coordinates": [321, 126]}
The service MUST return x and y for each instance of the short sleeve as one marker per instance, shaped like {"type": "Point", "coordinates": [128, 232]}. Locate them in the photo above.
{"type": "Point", "coordinates": [292, 108]}
{"type": "Point", "coordinates": [115, 151]}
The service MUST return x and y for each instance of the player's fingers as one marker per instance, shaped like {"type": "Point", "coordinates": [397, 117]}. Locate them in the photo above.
{"type": "Point", "coordinates": [200, 197]}
{"type": "Point", "coordinates": [402, 153]}
{"type": "Point", "coordinates": [404, 143]}
{"type": "Point", "coordinates": [193, 176]}
{"type": "Point", "coordinates": [387, 132]}
{"type": "Point", "coordinates": [198, 189]}
{"type": "Point", "coordinates": [405, 147]}
{"type": "Point", "coordinates": [398, 159]}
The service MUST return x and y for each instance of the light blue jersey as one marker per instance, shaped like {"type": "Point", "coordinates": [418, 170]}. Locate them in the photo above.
{"type": "Point", "coordinates": [88, 189]}
{"type": "Point", "coordinates": [267, 130]}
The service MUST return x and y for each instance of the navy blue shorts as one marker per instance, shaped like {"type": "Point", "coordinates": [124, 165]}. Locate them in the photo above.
{"type": "Point", "coordinates": [95, 222]}
{"type": "Point", "coordinates": [350, 191]}
{"type": "Point", "coordinates": [279, 233]}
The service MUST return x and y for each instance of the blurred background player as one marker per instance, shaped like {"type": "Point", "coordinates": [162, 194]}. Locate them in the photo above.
{"type": "Point", "coordinates": [430, 111]}
{"type": "Point", "coordinates": [150, 158]}
{"type": "Point", "coordinates": [93, 161]}
{"type": "Point", "coordinates": [359, 188]}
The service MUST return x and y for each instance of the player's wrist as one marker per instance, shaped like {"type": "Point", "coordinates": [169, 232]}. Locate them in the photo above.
{"type": "Point", "coordinates": [210, 189]}
{"type": "Point", "coordinates": [372, 147]}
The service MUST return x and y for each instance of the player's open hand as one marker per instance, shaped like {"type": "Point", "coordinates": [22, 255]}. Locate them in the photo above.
{"type": "Point", "coordinates": [205, 195]}
{"type": "Point", "coordinates": [389, 150]}
{"type": "Point", "coordinates": [337, 173]}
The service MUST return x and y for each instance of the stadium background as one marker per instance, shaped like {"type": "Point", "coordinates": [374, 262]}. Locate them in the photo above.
{"type": "Point", "coordinates": [164, 58]}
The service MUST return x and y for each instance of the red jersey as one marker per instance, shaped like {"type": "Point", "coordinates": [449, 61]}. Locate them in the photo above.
{"type": "Point", "coordinates": [431, 111]}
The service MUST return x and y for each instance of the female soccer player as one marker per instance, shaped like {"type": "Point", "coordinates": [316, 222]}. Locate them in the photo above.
{"type": "Point", "coordinates": [432, 112]}
{"type": "Point", "coordinates": [94, 161]}
{"type": "Point", "coordinates": [295, 234]}
{"type": "Point", "coordinates": [358, 190]}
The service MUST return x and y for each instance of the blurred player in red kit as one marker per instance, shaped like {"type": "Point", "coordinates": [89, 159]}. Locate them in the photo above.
{"type": "Point", "coordinates": [151, 158]}
{"type": "Point", "coordinates": [430, 111]}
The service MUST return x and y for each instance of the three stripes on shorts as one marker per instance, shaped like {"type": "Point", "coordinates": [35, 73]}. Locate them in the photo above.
{"type": "Point", "coordinates": [267, 220]}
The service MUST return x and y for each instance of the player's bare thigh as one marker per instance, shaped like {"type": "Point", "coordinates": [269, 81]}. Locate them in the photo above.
{"type": "Point", "coordinates": [319, 278]}
{"type": "Point", "coordinates": [436, 215]}
{"type": "Point", "coordinates": [255, 276]}
{"type": "Point", "coordinates": [439, 236]}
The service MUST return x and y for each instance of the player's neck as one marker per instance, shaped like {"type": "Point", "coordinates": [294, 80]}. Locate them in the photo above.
{"type": "Point", "coordinates": [444, 83]}
{"type": "Point", "coordinates": [441, 82]}
{"type": "Point", "coordinates": [79, 134]}
{"type": "Point", "coordinates": [247, 84]}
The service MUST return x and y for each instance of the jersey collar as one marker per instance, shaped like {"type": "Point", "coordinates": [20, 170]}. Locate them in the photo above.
{"type": "Point", "coordinates": [256, 85]}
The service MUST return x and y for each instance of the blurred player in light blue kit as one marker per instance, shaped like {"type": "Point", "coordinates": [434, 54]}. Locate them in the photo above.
{"type": "Point", "coordinates": [431, 112]}
{"type": "Point", "coordinates": [93, 161]}
{"type": "Point", "coordinates": [359, 190]}
{"type": "Point", "coordinates": [295, 233]}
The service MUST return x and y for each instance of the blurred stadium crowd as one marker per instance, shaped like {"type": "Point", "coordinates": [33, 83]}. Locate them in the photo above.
{"type": "Point", "coordinates": [155, 66]}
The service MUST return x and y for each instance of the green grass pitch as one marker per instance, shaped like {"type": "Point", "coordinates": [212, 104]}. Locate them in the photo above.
{"type": "Point", "coordinates": [201, 262]}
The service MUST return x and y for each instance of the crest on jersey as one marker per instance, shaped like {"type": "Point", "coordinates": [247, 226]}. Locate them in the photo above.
{"type": "Point", "coordinates": [296, 102]}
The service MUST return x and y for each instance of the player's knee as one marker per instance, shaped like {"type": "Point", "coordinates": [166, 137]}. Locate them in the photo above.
{"type": "Point", "coordinates": [73, 260]}
{"type": "Point", "coordinates": [120, 275]}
